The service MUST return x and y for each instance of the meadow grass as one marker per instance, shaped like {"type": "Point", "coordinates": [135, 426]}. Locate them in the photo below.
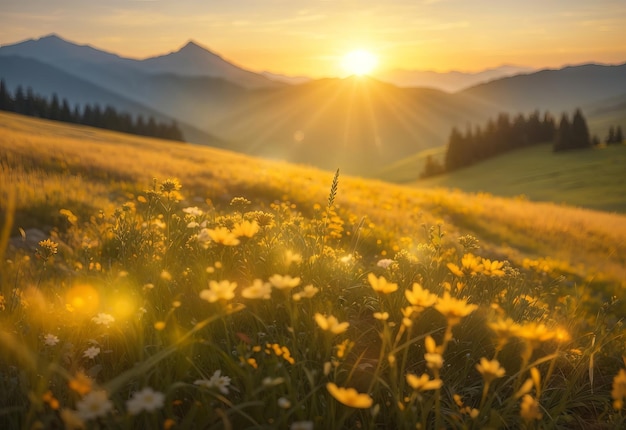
{"type": "Point", "coordinates": [591, 178]}
{"type": "Point", "coordinates": [255, 294]}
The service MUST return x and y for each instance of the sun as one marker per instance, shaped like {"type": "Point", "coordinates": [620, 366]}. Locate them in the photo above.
{"type": "Point", "coordinates": [359, 62]}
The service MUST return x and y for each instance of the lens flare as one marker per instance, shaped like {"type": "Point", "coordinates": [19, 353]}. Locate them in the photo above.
{"type": "Point", "coordinates": [82, 299]}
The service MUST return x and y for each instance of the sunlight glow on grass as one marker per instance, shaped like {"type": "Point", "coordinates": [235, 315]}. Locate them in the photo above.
{"type": "Point", "coordinates": [82, 299]}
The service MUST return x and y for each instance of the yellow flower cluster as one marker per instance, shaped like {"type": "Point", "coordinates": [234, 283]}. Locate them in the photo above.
{"type": "Point", "coordinates": [279, 351]}
{"type": "Point", "coordinates": [331, 324]}
{"type": "Point", "coordinates": [223, 290]}
{"type": "Point", "coordinates": [381, 285]}
{"type": "Point", "coordinates": [473, 265]}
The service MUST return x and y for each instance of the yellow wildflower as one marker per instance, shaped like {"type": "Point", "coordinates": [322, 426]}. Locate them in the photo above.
{"type": "Point", "coordinates": [618, 393]}
{"type": "Point", "coordinates": [492, 268]}
{"type": "Point", "coordinates": [307, 292]}
{"type": "Point", "coordinates": [223, 290]}
{"type": "Point", "coordinates": [330, 324]}
{"type": "Point", "coordinates": [434, 361]}
{"type": "Point", "coordinates": [246, 229]}
{"type": "Point", "coordinates": [292, 257]}
{"type": "Point", "coordinates": [456, 271]}
{"type": "Point", "coordinates": [505, 329]}
{"type": "Point", "coordinates": [431, 346]}
{"type": "Point", "coordinates": [407, 312]}
{"type": "Point", "coordinates": [530, 409]}
{"type": "Point", "coordinates": [170, 185]}
{"type": "Point", "coordinates": [221, 235]}
{"type": "Point", "coordinates": [349, 396]}
{"type": "Point", "coordinates": [454, 309]}
{"type": "Point", "coordinates": [423, 383]}
{"type": "Point", "coordinates": [343, 347]}
{"type": "Point", "coordinates": [52, 401]}
{"type": "Point", "coordinates": [381, 285]}
{"type": "Point", "coordinates": [81, 383]}
{"type": "Point", "coordinates": [470, 265]}
{"type": "Point", "coordinates": [382, 316]}
{"type": "Point", "coordinates": [47, 249]}
{"type": "Point", "coordinates": [534, 333]}
{"type": "Point", "coordinates": [285, 282]}
{"type": "Point", "coordinates": [490, 369]}
{"type": "Point", "coordinates": [421, 297]}
{"type": "Point", "coordinates": [258, 290]}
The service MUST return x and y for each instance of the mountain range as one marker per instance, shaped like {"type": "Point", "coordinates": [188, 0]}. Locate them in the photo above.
{"type": "Point", "coordinates": [452, 81]}
{"type": "Point", "coordinates": [357, 124]}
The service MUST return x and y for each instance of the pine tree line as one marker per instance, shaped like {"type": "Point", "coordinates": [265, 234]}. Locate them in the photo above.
{"type": "Point", "coordinates": [572, 135]}
{"type": "Point", "coordinates": [31, 104]}
{"type": "Point", "coordinates": [497, 137]}
{"type": "Point", "coordinates": [615, 136]}
{"type": "Point", "coordinates": [503, 134]}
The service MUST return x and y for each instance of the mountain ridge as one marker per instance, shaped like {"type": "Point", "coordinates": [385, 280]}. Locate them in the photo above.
{"type": "Point", "coordinates": [357, 124]}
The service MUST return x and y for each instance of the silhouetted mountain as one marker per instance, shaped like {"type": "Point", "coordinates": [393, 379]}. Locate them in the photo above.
{"type": "Point", "coordinates": [356, 124]}
{"type": "Point", "coordinates": [93, 64]}
{"type": "Point", "coordinates": [53, 49]}
{"type": "Point", "coordinates": [291, 80]}
{"type": "Point", "coordinates": [46, 80]}
{"type": "Point", "coordinates": [192, 60]}
{"type": "Point", "coordinates": [448, 81]}
{"type": "Point", "coordinates": [553, 90]}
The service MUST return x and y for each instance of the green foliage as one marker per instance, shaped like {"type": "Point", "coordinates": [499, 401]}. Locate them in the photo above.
{"type": "Point", "coordinates": [232, 316]}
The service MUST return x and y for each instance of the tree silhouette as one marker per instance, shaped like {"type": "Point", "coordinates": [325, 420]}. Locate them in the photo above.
{"type": "Point", "coordinates": [580, 131]}
{"type": "Point", "coordinates": [619, 137]}
{"type": "Point", "coordinates": [32, 104]}
{"type": "Point", "coordinates": [563, 135]}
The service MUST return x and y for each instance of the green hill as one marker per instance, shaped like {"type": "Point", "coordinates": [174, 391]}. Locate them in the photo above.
{"type": "Point", "coordinates": [151, 284]}
{"type": "Point", "coordinates": [594, 178]}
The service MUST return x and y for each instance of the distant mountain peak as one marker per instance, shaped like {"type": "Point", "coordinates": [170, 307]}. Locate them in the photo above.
{"type": "Point", "coordinates": [52, 36]}
{"type": "Point", "coordinates": [192, 44]}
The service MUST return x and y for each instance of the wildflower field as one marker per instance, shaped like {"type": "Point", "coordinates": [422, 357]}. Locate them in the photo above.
{"type": "Point", "coordinates": [185, 287]}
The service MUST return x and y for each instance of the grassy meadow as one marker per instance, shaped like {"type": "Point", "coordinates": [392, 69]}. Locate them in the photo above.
{"type": "Point", "coordinates": [179, 286]}
{"type": "Point", "coordinates": [594, 178]}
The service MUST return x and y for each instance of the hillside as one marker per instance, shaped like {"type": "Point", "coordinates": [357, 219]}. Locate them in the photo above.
{"type": "Point", "coordinates": [46, 80]}
{"type": "Point", "coordinates": [282, 296]}
{"type": "Point", "coordinates": [594, 178]}
{"type": "Point", "coordinates": [553, 90]}
{"type": "Point", "coordinates": [45, 160]}
{"type": "Point", "coordinates": [357, 124]}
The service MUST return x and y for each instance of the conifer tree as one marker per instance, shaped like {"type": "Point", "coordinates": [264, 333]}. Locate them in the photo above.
{"type": "Point", "coordinates": [580, 131]}
{"type": "Point", "coordinates": [6, 102]}
{"type": "Point", "coordinates": [619, 137]}
{"type": "Point", "coordinates": [563, 139]}
{"type": "Point", "coordinates": [610, 138]}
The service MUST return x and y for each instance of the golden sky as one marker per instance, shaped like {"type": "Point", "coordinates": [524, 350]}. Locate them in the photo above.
{"type": "Point", "coordinates": [298, 37]}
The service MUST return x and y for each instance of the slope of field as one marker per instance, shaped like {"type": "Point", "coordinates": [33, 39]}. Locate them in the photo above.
{"type": "Point", "coordinates": [53, 166]}
{"type": "Point", "coordinates": [258, 294]}
{"type": "Point", "coordinates": [411, 167]}
{"type": "Point", "coordinates": [594, 178]}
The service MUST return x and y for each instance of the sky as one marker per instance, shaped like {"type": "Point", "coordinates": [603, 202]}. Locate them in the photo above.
{"type": "Point", "coordinates": [297, 37]}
